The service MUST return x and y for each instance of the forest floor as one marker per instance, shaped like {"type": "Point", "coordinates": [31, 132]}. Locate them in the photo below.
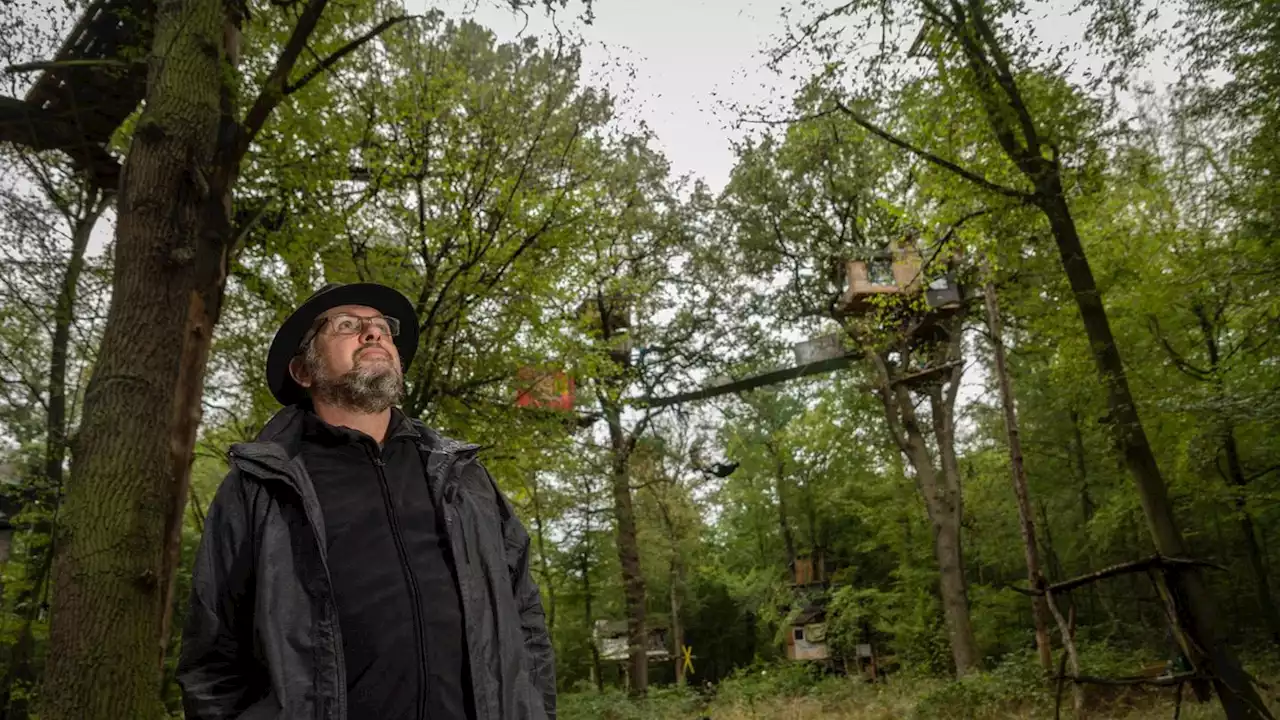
{"type": "Point", "coordinates": [788, 696]}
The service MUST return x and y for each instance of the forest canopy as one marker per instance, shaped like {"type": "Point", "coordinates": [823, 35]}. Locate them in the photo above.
{"type": "Point", "coordinates": [978, 311]}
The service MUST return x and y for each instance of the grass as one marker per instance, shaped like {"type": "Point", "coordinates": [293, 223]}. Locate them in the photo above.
{"type": "Point", "coordinates": [1011, 690]}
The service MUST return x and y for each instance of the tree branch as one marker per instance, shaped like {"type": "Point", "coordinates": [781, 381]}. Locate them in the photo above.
{"type": "Point", "coordinates": [273, 90]}
{"type": "Point", "coordinates": [345, 50]}
{"type": "Point", "coordinates": [930, 157]}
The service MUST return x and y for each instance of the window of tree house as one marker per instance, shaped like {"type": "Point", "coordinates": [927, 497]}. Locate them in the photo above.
{"type": "Point", "coordinates": [880, 272]}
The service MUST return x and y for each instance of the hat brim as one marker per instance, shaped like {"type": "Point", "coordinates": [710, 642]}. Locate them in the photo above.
{"type": "Point", "coordinates": [284, 346]}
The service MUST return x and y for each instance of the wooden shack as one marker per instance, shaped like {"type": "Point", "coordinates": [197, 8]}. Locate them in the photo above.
{"type": "Point", "coordinates": [807, 636]}
{"type": "Point", "coordinates": [900, 271]}
{"type": "Point", "coordinates": [807, 639]}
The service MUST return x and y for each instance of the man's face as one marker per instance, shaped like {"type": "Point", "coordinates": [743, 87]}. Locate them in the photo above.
{"type": "Point", "coordinates": [351, 361]}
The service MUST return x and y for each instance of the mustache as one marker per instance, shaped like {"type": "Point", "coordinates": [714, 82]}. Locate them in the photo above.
{"type": "Point", "coordinates": [369, 346]}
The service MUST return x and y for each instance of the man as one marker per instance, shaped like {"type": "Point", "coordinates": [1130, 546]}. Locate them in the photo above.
{"type": "Point", "coordinates": [355, 564]}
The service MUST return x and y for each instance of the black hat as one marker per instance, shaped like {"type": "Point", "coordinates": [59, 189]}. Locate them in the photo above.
{"type": "Point", "coordinates": [289, 337]}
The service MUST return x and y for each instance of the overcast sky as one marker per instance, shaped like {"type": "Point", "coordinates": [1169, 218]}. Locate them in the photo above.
{"type": "Point", "coordinates": [695, 59]}
{"type": "Point", "coordinates": [690, 57]}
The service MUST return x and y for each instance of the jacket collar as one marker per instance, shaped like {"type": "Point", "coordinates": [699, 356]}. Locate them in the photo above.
{"type": "Point", "coordinates": [280, 440]}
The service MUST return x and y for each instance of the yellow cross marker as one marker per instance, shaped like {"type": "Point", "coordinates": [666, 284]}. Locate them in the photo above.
{"type": "Point", "coordinates": [688, 659]}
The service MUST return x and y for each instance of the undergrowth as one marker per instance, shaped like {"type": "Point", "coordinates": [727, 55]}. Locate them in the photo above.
{"type": "Point", "coordinates": [1014, 688]}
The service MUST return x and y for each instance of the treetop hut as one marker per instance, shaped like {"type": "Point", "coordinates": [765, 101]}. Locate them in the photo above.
{"type": "Point", "coordinates": [899, 270]}
{"type": "Point", "coordinates": [86, 91]}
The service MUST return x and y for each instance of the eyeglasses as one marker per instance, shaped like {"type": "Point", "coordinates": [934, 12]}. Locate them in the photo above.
{"type": "Point", "coordinates": [347, 324]}
{"type": "Point", "coordinates": [344, 324]}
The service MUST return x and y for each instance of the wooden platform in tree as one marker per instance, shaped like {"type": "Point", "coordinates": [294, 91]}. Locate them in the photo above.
{"type": "Point", "coordinates": [87, 90]}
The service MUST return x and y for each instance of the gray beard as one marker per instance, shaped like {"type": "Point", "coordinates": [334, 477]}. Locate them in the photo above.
{"type": "Point", "coordinates": [367, 390]}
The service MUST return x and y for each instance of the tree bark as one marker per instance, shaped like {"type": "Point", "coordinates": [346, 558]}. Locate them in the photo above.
{"type": "Point", "coordinates": [629, 554]}
{"type": "Point", "coordinates": [1239, 697]}
{"type": "Point", "coordinates": [110, 565]}
{"type": "Point", "coordinates": [1026, 521]}
{"type": "Point", "coordinates": [940, 489]}
{"type": "Point", "coordinates": [945, 518]}
{"type": "Point", "coordinates": [947, 513]}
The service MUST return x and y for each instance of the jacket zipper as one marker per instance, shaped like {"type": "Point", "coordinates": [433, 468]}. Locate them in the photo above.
{"type": "Point", "coordinates": [480, 699]}
{"type": "Point", "coordinates": [415, 595]}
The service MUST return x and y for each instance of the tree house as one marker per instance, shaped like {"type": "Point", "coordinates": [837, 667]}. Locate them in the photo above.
{"type": "Point", "coordinates": [894, 271]}
{"type": "Point", "coordinates": [96, 81]}
{"type": "Point", "coordinates": [807, 639]}
{"type": "Point", "coordinates": [807, 636]}
{"type": "Point", "coordinates": [811, 570]}
{"type": "Point", "coordinates": [899, 271]}
{"type": "Point", "coordinates": [898, 283]}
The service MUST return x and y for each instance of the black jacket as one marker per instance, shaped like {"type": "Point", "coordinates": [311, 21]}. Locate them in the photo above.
{"type": "Point", "coordinates": [262, 637]}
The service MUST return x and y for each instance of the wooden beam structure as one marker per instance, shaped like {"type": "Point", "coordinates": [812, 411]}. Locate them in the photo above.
{"type": "Point", "coordinates": [755, 381]}
{"type": "Point", "coordinates": [87, 90]}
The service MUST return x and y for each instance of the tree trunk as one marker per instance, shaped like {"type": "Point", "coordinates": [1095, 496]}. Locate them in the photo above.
{"type": "Point", "coordinates": [784, 525]}
{"type": "Point", "coordinates": [63, 318]}
{"type": "Point", "coordinates": [629, 557]}
{"type": "Point", "coordinates": [1026, 521]}
{"type": "Point", "coordinates": [946, 510]}
{"type": "Point", "coordinates": [948, 499]}
{"type": "Point", "coordinates": [596, 675]}
{"type": "Point", "coordinates": [941, 495]}
{"type": "Point", "coordinates": [677, 629]}
{"type": "Point", "coordinates": [944, 507]}
{"type": "Point", "coordinates": [1254, 553]}
{"type": "Point", "coordinates": [20, 670]}
{"type": "Point", "coordinates": [1235, 473]}
{"type": "Point", "coordinates": [1239, 697]}
{"type": "Point", "coordinates": [541, 542]}
{"type": "Point", "coordinates": [1077, 450]}
{"type": "Point", "coordinates": [110, 568]}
